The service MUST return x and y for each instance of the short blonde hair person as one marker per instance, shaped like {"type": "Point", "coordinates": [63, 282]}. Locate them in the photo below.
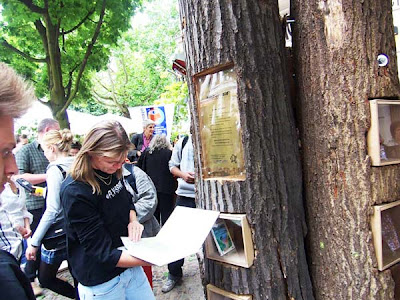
{"type": "Point", "coordinates": [16, 96]}
{"type": "Point", "coordinates": [62, 139]}
{"type": "Point", "coordinates": [107, 138]}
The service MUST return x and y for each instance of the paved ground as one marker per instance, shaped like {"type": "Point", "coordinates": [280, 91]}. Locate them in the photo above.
{"type": "Point", "coordinates": [190, 289]}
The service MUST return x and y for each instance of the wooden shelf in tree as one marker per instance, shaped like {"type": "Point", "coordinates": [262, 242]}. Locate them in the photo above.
{"type": "Point", "coordinates": [382, 145]}
{"type": "Point", "coordinates": [385, 224]}
{"type": "Point", "coordinates": [214, 293]}
{"type": "Point", "coordinates": [239, 229]}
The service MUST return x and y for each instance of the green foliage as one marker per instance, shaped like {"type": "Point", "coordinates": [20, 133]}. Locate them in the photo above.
{"type": "Point", "coordinates": [30, 131]}
{"type": "Point", "coordinates": [140, 68]}
{"type": "Point", "coordinates": [69, 27]}
{"type": "Point", "coordinates": [177, 93]}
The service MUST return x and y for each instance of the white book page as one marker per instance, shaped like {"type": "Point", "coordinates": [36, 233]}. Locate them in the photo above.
{"type": "Point", "coordinates": [182, 235]}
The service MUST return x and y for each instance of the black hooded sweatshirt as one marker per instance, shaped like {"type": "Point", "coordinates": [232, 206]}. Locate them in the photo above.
{"type": "Point", "coordinates": [94, 225]}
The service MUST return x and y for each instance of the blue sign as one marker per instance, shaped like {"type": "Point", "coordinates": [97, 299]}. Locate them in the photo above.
{"type": "Point", "coordinates": [157, 114]}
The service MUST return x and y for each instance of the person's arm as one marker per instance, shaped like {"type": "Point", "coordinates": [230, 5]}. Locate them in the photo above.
{"type": "Point", "coordinates": [175, 162]}
{"type": "Point", "coordinates": [136, 141]}
{"type": "Point", "coordinates": [187, 176]}
{"type": "Point", "coordinates": [32, 178]}
{"type": "Point", "coordinates": [146, 203]}
{"type": "Point", "coordinates": [135, 230]}
{"type": "Point", "coordinates": [128, 261]}
{"type": "Point", "coordinates": [24, 167]}
{"type": "Point", "coordinates": [26, 230]}
{"type": "Point", "coordinates": [27, 226]}
{"type": "Point", "coordinates": [53, 204]}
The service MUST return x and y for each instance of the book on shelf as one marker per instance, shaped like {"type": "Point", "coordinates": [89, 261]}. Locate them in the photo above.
{"type": "Point", "coordinates": [222, 238]}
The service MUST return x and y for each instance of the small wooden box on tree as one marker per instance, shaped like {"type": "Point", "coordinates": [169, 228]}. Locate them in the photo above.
{"type": "Point", "coordinates": [384, 133]}
{"type": "Point", "coordinates": [239, 229]}
{"type": "Point", "coordinates": [214, 293]}
{"type": "Point", "coordinates": [385, 224]}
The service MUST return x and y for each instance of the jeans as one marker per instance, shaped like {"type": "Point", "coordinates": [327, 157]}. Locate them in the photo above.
{"type": "Point", "coordinates": [175, 268]}
{"type": "Point", "coordinates": [132, 284]}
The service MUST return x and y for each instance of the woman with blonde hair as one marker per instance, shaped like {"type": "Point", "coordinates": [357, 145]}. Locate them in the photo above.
{"type": "Point", "coordinates": [98, 211]}
{"type": "Point", "coordinates": [56, 145]}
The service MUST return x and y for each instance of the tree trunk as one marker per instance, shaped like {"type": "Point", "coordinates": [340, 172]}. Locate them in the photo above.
{"type": "Point", "coordinates": [336, 44]}
{"type": "Point", "coordinates": [56, 87]}
{"type": "Point", "coordinates": [248, 34]}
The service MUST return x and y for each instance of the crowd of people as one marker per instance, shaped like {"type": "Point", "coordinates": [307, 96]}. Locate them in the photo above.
{"type": "Point", "coordinates": [62, 200]}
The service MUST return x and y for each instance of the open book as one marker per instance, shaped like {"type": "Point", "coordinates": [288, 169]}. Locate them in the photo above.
{"type": "Point", "coordinates": [182, 235]}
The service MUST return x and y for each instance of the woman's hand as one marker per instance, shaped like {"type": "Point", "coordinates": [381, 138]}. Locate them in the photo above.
{"type": "Point", "coordinates": [24, 231]}
{"type": "Point", "coordinates": [31, 253]}
{"type": "Point", "coordinates": [135, 230]}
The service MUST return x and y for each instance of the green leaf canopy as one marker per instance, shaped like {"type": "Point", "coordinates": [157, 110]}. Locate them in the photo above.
{"type": "Point", "coordinates": [54, 42]}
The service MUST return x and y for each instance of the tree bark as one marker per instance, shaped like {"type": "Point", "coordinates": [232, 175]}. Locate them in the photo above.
{"type": "Point", "coordinates": [248, 33]}
{"type": "Point", "coordinates": [336, 44]}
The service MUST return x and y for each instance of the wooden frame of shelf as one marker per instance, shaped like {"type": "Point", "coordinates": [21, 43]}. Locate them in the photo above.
{"type": "Point", "coordinates": [383, 113]}
{"type": "Point", "coordinates": [387, 244]}
{"type": "Point", "coordinates": [239, 229]}
{"type": "Point", "coordinates": [214, 293]}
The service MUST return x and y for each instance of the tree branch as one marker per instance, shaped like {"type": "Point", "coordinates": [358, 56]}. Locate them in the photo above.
{"type": "Point", "coordinates": [102, 85]}
{"type": "Point", "coordinates": [101, 101]}
{"type": "Point", "coordinates": [80, 23]}
{"type": "Point", "coordinates": [69, 84]}
{"type": "Point", "coordinates": [101, 96]}
{"type": "Point", "coordinates": [86, 57]}
{"type": "Point", "coordinates": [125, 71]}
{"type": "Point", "coordinates": [107, 89]}
{"type": "Point", "coordinates": [27, 56]}
{"type": "Point", "coordinates": [32, 7]}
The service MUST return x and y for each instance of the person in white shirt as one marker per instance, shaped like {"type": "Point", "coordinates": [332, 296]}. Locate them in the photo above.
{"type": "Point", "coordinates": [15, 98]}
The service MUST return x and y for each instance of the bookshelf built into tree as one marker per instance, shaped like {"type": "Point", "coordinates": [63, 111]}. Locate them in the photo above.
{"type": "Point", "coordinates": [239, 230]}
{"type": "Point", "coordinates": [214, 293]}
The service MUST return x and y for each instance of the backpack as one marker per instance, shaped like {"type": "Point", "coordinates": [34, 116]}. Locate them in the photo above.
{"type": "Point", "coordinates": [55, 237]}
{"type": "Point", "coordinates": [131, 179]}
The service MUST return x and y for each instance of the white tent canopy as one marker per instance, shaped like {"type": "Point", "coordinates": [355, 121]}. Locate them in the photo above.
{"type": "Point", "coordinates": [80, 123]}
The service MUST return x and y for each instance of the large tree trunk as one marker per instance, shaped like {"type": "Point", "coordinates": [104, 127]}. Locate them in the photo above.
{"type": "Point", "coordinates": [248, 33]}
{"type": "Point", "coordinates": [336, 44]}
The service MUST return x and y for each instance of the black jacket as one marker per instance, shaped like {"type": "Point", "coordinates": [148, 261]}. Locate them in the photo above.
{"type": "Point", "coordinates": [156, 166]}
{"type": "Point", "coordinates": [13, 282]}
{"type": "Point", "coordinates": [94, 225]}
{"type": "Point", "coordinates": [137, 140]}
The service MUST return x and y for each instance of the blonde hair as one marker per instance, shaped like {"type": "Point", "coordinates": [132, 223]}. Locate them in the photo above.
{"type": "Point", "coordinates": [16, 96]}
{"type": "Point", "coordinates": [107, 138]}
{"type": "Point", "coordinates": [62, 139]}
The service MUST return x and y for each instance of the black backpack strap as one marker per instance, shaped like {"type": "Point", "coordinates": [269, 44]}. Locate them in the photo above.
{"type": "Point", "coordinates": [185, 139]}
{"type": "Point", "coordinates": [64, 174]}
{"type": "Point", "coordinates": [131, 179]}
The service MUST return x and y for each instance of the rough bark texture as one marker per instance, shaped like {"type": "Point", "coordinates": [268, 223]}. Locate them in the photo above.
{"type": "Point", "coordinates": [249, 34]}
{"type": "Point", "coordinates": [336, 44]}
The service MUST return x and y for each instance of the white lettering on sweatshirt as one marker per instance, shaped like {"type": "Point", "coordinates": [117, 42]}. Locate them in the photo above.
{"type": "Point", "coordinates": [114, 190]}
